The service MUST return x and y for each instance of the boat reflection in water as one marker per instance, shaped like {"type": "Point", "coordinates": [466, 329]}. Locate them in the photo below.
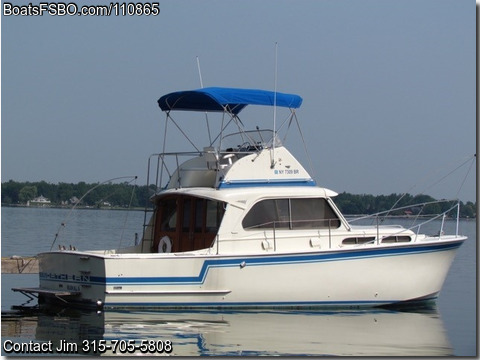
{"type": "Point", "coordinates": [376, 332]}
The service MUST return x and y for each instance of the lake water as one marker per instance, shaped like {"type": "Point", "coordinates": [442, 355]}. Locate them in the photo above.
{"type": "Point", "coordinates": [445, 328]}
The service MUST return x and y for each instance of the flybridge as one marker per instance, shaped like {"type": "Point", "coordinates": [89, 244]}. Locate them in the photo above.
{"type": "Point", "coordinates": [243, 159]}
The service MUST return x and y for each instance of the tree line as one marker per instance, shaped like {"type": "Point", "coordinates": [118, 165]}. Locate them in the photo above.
{"type": "Point", "coordinates": [120, 195]}
{"type": "Point", "coordinates": [125, 195]}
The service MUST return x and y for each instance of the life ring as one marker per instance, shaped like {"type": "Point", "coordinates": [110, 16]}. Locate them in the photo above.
{"type": "Point", "coordinates": [165, 245]}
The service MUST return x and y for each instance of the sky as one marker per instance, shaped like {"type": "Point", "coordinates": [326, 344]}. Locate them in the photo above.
{"type": "Point", "coordinates": [388, 87]}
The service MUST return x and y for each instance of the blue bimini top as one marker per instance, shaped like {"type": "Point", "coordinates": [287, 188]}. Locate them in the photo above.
{"type": "Point", "coordinates": [226, 99]}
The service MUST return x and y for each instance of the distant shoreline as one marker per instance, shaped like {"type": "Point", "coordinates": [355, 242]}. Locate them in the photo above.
{"type": "Point", "coordinates": [127, 196]}
{"type": "Point", "coordinates": [70, 207]}
{"type": "Point", "coordinates": [348, 216]}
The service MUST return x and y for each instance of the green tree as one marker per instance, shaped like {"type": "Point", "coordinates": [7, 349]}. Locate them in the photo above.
{"type": "Point", "coordinates": [64, 192]}
{"type": "Point", "coordinates": [10, 191]}
{"type": "Point", "coordinates": [469, 210]}
{"type": "Point", "coordinates": [28, 192]}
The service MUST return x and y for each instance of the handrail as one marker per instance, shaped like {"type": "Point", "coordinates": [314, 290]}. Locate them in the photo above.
{"type": "Point", "coordinates": [277, 225]}
{"type": "Point", "coordinates": [404, 207]}
{"type": "Point", "coordinates": [161, 164]}
{"type": "Point", "coordinates": [417, 226]}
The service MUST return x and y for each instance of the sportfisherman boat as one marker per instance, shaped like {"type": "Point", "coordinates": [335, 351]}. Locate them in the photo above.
{"type": "Point", "coordinates": [241, 223]}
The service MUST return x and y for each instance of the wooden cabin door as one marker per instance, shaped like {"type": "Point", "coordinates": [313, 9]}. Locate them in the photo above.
{"type": "Point", "coordinates": [192, 227]}
{"type": "Point", "coordinates": [199, 223]}
{"type": "Point", "coordinates": [190, 223]}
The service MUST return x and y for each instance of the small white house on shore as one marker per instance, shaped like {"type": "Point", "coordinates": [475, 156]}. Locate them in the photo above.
{"type": "Point", "coordinates": [39, 201]}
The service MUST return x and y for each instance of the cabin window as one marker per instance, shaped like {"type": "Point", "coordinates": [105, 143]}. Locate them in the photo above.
{"type": "Point", "coordinates": [357, 240]}
{"type": "Point", "coordinates": [268, 214]}
{"type": "Point", "coordinates": [311, 213]}
{"type": "Point", "coordinates": [396, 238]}
{"type": "Point", "coordinates": [199, 214]}
{"type": "Point", "coordinates": [187, 210]}
{"type": "Point", "coordinates": [215, 210]}
{"type": "Point", "coordinates": [169, 214]}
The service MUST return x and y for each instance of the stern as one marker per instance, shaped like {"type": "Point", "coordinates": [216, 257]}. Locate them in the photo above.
{"type": "Point", "coordinates": [71, 278]}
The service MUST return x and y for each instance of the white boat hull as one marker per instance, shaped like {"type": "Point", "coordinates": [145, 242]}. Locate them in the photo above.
{"type": "Point", "coordinates": [361, 276]}
{"type": "Point", "coordinates": [241, 223]}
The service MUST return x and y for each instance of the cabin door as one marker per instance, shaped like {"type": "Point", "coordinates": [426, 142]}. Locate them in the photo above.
{"type": "Point", "coordinates": [190, 223]}
{"type": "Point", "coordinates": [189, 239]}
{"type": "Point", "coordinates": [199, 223]}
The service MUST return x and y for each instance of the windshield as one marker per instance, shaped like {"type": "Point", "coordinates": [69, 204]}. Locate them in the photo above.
{"type": "Point", "coordinates": [251, 140]}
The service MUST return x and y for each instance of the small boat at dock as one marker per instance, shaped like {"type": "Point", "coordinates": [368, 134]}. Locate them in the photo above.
{"type": "Point", "coordinates": [240, 223]}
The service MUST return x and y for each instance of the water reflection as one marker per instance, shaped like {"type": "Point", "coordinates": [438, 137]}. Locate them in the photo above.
{"type": "Point", "coordinates": [356, 332]}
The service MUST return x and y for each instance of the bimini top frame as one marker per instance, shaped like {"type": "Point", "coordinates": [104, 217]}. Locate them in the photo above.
{"type": "Point", "coordinates": [229, 102]}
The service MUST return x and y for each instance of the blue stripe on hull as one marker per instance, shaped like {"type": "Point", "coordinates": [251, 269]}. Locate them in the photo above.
{"type": "Point", "coordinates": [269, 260]}
{"type": "Point", "coordinates": [280, 260]}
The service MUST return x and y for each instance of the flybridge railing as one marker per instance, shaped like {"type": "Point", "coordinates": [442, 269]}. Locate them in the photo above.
{"type": "Point", "coordinates": [155, 177]}
{"type": "Point", "coordinates": [162, 168]}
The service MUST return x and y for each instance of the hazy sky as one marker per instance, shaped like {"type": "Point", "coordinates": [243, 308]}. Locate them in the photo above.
{"type": "Point", "coordinates": [388, 87]}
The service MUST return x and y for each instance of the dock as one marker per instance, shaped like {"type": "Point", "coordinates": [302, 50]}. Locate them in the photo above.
{"type": "Point", "coordinates": [20, 265]}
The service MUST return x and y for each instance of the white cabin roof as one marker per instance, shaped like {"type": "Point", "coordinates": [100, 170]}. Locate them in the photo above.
{"type": "Point", "coordinates": [240, 198]}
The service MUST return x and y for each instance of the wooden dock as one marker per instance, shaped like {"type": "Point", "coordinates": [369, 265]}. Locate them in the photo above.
{"type": "Point", "coordinates": [20, 265]}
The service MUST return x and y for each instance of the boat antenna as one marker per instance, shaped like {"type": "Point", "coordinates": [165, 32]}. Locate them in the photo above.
{"type": "Point", "coordinates": [206, 114]}
{"type": "Point", "coordinates": [272, 165]}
